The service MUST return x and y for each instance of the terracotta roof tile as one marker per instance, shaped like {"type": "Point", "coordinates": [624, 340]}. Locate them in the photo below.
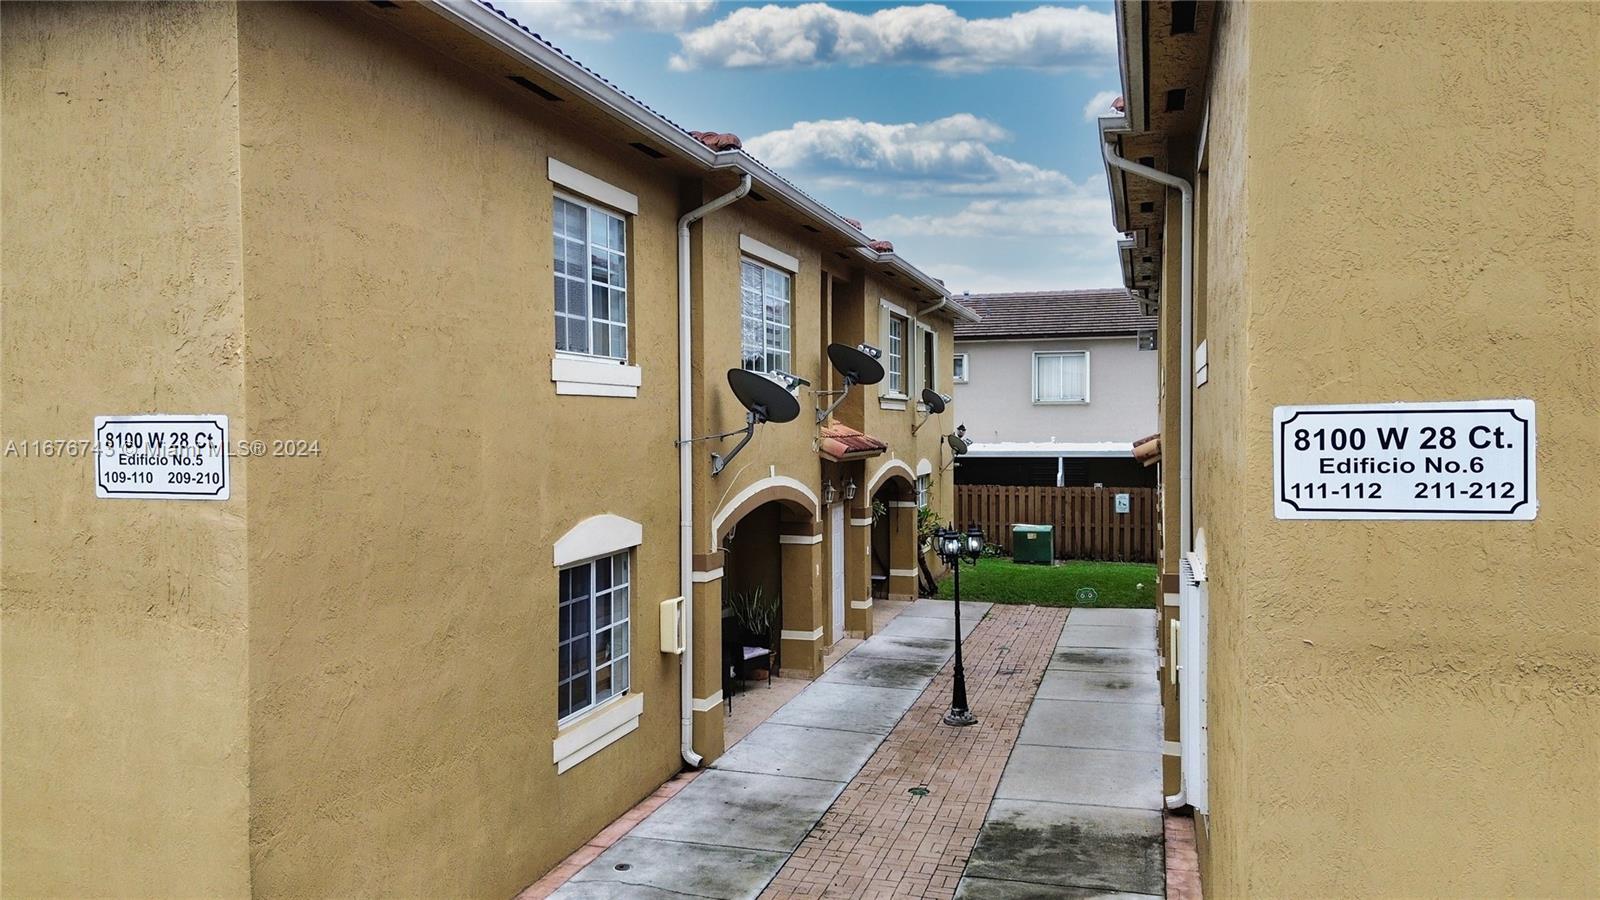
{"type": "Point", "coordinates": [1053, 314]}
{"type": "Point", "coordinates": [718, 140]}
{"type": "Point", "coordinates": [841, 442]}
{"type": "Point", "coordinates": [882, 246]}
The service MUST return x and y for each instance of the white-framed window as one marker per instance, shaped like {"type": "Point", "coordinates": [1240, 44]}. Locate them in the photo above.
{"type": "Point", "coordinates": [591, 279]}
{"type": "Point", "coordinates": [896, 354]}
{"type": "Point", "coordinates": [1061, 377]}
{"type": "Point", "coordinates": [765, 310]}
{"type": "Point", "coordinates": [924, 485]}
{"type": "Point", "coordinates": [592, 637]}
{"type": "Point", "coordinates": [958, 370]}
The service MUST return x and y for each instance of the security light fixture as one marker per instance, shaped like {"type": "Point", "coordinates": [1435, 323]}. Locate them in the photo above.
{"type": "Point", "coordinates": [935, 403]}
{"type": "Point", "coordinates": [858, 365]}
{"type": "Point", "coordinates": [958, 440]}
{"type": "Point", "coordinates": [765, 400]}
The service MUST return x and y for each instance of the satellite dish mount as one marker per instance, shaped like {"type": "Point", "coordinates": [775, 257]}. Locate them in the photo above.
{"type": "Point", "coordinates": [858, 365]}
{"type": "Point", "coordinates": [764, 400]}
{"type": "Point", "coordinates": [934, 402]}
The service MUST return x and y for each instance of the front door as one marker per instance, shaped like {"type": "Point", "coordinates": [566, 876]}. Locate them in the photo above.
{"type": "Point", "coordinates": [836, 539]}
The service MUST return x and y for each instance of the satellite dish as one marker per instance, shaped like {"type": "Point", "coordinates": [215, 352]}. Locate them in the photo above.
{"type": "Point", "coordinates": [855, 365]}
{"type": "Point", "coordinates": [933, 400]}
{"type": "Point", "coordinates": [766, 400]}
{"type": "Point", "coordinates": [958, 444]}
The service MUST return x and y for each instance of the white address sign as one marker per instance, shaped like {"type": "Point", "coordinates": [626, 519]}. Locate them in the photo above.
{"type": "Point", "coordinates": [161, 457]}
{"type": "Point", "coordinates": [1465, 460]}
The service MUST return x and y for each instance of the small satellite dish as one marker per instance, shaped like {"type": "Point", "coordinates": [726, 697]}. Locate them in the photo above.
{"type": "Point", "coordinates": [854, 364]}
{"type": "Point", "coordinates": [766, 400]}
{"type": "Point", "coordinates": [933, 400]}
{"type": "Point", "coordinates": [958, 444]}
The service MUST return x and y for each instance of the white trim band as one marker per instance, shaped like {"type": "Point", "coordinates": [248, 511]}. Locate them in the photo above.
{"type": "Point", "coordinates": [861, 522]}
{"type": "Point", "coordinates": [767, 253]}
{"type": "Point", "coordinates": [799, 538]}
{"type": "Point", "coordinates": [904, 504]}
{"type": "Point", "coordinates": [1171, 748]}
{"type": "Point", "coordinates": [706, 577]}
{"type": "Point", "coordinates": [707, 704]}
{"type": "Point", "coordinates": [902, 573]}
{"type": "Point", "coordinates": [861, 604]}
{"type": "Point", "coordinates": [575, 179]}
{"type": "Point", "coordinates": [801, 635]}
{"type": "Point", "coordinates": [604, 726]}
{"type": "Point", "coordinates": [1170, 600]}
{"type": "Point", "coordinates": [595, 537]}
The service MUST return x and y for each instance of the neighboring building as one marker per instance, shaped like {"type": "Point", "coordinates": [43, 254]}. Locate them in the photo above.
{"type": "Point", "coordinates": [1392, 203]}
{"type": "Point", "coordinates": [1055, 387]}
{"type": "Point", "coordinates": [440, 652]}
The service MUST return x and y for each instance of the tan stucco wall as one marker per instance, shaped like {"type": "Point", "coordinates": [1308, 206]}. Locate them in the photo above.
{"type": "Point", "coordinates": [1417, 223]}
{"type": "Point", "coordinates": [997, 398]}
{"type": "Point", "coordinates": [124, 652]}
{"type": "Point", "coordinates": [403, 603]}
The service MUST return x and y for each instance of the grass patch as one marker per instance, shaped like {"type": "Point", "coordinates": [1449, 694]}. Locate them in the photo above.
{"type": "Point", "coordinates": [1115, 585]}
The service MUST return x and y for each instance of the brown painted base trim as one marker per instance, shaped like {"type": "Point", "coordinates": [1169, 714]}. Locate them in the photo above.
{"type": "Point", "coordinates": [1169, 583]}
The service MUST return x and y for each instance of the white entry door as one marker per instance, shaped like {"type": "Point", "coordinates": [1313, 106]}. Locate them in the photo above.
{"type": "Point", "coordinates": [836, 539]}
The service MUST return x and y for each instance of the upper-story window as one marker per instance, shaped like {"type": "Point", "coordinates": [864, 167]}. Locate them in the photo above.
{"type": "Point", "coordinates": [958, 370]}
{"type": "Point", "coordinates": [897, 354]}
{"type": "Point", "coordinates": [592, 643]}
{"type": "Point", "coordinates": [591, 286]}
{"type": "Point", "coordinates": [766, 309]}
{"type": "Point", "coordinates": [1061, 377]}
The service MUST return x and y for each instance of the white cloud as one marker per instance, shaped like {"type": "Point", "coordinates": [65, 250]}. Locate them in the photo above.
{"type": "Point", "coordinates": [1080, 211]}
{"type": "Point", "coordinates": [1100, 105]}
{"type": "Point", "coordinates": [946, 156]}
{"type": "Point", "coordinates": [604, 18]}
{"type": "Point", "coordinates": [816, 34]}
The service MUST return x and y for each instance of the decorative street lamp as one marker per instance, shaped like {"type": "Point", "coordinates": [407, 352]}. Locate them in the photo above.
{"type": "Point", "coordinates": [953, 545]}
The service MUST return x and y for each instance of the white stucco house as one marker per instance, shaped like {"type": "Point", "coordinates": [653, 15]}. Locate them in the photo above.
{"type": "Point", "coordinates": [1055, 387]}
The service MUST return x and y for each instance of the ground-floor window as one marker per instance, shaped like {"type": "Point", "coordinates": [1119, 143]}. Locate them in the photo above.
{"type": "Point", "coordinates": [924, 485]}
{"type": "Point", "coordinates": [593, 634]}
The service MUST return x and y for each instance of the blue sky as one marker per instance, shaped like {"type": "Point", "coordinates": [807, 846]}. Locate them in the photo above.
{"type": "Point", "coordinates": [959, 131]}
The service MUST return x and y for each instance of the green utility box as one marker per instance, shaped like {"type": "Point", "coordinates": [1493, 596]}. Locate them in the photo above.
{"type": "Point", "coordinates": [1033, 543]}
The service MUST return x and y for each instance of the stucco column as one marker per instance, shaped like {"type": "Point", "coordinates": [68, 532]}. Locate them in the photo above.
{"type": "Point", "coordinates": [858, 619]}
{"type": "Point", "coordinates": [800, 544]}
{"type": "Point", "coordinates": [902, 549]}
{"type": "Point", "coordinates": [709, 709]}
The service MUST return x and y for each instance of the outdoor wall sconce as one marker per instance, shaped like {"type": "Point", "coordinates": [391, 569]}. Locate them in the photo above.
{"type": "Point", "coordinates": [830, 494]}
{"type": "Point", "coordinates": [850, 489]}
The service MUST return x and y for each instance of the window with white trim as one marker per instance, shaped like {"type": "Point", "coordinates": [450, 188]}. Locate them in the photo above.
{"type": "Point", "coordinates": [766, 303]}
{"type": "Point", "coordinates": [592, 639]}
{"type": "Point", "coordinates": [897, 354]}
{"type": "Point", "coordinates": [958, 370]}
{"type": "Point", "coordinates": [924, 485]}
{"type": "Point", "coordinates": [591, 267]}
{"type": "Point", "coordinates": [1061, 377]}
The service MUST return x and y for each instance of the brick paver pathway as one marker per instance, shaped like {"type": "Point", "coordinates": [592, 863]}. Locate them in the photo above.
{"type": "Point", "coordinates": [883, 837]}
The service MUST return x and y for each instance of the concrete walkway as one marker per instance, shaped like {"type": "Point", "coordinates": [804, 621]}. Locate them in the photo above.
{"type": "Point", "coordinates": [727, 833]}
{"type": "Point", "coordinates": [1078, 811]}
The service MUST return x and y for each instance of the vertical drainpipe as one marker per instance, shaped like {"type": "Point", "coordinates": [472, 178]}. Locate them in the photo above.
{"type": "Point", "coordinates": [1185, 362]}
{"type": "Point", "coordinates": [685, 473]}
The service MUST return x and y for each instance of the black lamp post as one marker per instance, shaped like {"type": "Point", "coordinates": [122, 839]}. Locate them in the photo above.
{"type": "Point", "coordinates": [953, 545]}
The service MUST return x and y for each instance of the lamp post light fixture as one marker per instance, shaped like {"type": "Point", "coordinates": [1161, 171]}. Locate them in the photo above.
{"type": "Point", "coordinates": [953, 545]}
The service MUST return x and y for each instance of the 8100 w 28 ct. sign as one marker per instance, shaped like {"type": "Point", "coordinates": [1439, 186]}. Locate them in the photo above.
{"type": "Point", "coordinates": [1464, 460]}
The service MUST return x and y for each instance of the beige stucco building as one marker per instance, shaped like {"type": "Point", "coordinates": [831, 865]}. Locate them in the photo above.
{"type": "Point", "coordinates": [1391, 203]}
{"type": "Point", "coordinates": [430, 269]}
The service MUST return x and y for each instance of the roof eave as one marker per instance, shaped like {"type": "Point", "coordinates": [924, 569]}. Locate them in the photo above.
{"type": "Point", "coordinates": [494, 29]}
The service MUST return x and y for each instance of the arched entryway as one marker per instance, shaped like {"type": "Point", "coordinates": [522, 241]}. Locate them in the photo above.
{"type": "Point", "coordinates": [893, 495]}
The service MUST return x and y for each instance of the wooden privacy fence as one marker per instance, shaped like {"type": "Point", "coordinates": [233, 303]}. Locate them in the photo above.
{"type": "Point", "coordinates": [1086, 520]}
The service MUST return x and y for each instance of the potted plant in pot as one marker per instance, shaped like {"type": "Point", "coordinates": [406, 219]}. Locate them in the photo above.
{"type": "Point", "coordinates": [756, 612]}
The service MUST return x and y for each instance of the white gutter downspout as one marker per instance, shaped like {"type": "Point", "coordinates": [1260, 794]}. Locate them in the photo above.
{"type": "Point", "coordinates": [685, 472]}
{"type": "Point", "coordinates": [1185, 362]}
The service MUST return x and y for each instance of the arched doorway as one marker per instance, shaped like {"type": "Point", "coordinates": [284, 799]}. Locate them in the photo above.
{"type": "Point", "coordinates": [893, 493]}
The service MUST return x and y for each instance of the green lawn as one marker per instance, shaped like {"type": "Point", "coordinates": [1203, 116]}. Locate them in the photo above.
{"type": "Point", "coordinates": [1121, 585]}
